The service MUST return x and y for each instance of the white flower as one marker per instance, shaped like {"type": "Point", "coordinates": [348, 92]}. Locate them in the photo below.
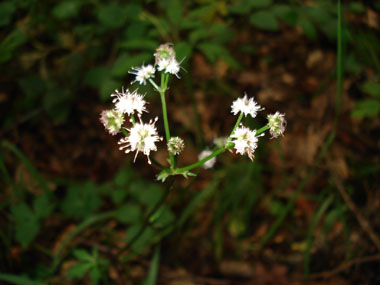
{"type": "Point", "coordinates": [173, 67]}
{"type": "Point", "coordinates": [175, 145]}
{"type": "Point", "coordinates": [246, 106]}
{"type": "Point", "coordinates": [277, 124]}
{"type": "Point", "coordinates": [142, 138]}
{"type": "Point", "coordinates": [112, 121]}
{"type": "Point", "coordinates": [245, 141]}
{"type": "Point", "coordinates": [209, 163]}
{"type": "Point", "coordinates": [163, 64]}
{"type": "Point", "coordinates": [143, 73]}
{"type": "Point", "coordinates": [128, 103]}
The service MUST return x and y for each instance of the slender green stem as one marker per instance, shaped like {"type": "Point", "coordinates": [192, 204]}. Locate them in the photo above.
{"type": "Point", "coordinates": [261, 130]}
{"type": "Point", "coordinates": [156, 163]}
{"type": "Point", "coordinates": [164, 82]}
{"type": "Point", "coordinates": [124, 131]}
{"type": "Point", "coordinates": [202, 161]}
{"type": "Point", "coordinates": [133, 119]}
{"type": "Point", "coordinates": [339, 68]}
{"type": "Point", "coordinates": [237, 123]}
{"type": "Point", "coordinates": [154, 85]}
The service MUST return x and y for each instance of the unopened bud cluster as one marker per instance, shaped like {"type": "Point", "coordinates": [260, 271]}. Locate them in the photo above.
{"type": "Point", "coordinates": [176, 145]}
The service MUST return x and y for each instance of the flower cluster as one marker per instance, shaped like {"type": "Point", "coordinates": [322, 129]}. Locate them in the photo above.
{"type": "Point", "coordinates": [166, 60]}
{"type": "Point", "coordinates": [142, 137]}
{"type": "Point", "coordinates": [244, 139]}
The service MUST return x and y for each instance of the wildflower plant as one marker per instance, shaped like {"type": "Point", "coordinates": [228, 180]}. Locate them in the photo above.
{"type": "Point", "coordinates": [143, 137]}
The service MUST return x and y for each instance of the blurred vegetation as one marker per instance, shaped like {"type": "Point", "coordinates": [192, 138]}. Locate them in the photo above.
{"type": "Point", "coordinates": [75, 209]}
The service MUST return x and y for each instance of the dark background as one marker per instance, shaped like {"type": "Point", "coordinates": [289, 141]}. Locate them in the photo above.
{"type": "Point", "coordinates": [306, 208]}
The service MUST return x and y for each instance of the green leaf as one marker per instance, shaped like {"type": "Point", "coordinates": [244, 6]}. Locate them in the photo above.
{"type": "Point", "coordinates": [366, 108]}
{"type": "Point", "coordinates": [154, 266]}
{"type": "Point", "coordinates": [139, 44]}
{"type": "Point", "coordinates": [108, 87]}
{"type": "Point", "coordinates": [356, 7]}
{"type": "Point", "coordinates": [163, 217]}
{"type": "Point", "coordinates": [95, 275]}
{"type": "Point", "coordinates": [7, 9]}
{"type": "Point", "coordinates": [83, 255]}
{"type": "Point", "coordinates": [371, 88]}
{"type": "Point", "coordinates": [81, 200]}
{"type": "Point", "coordinates": [112, 15]}
{"type": "Point", "coordinates": [10, 43]}
{"type": "Point", "coordinates": [118, 195]}
{"type": "Point", "coordinates": [125, 62]}
{"type": "Point", "coordinates": [287, 13]}
{"type": "Point", "coordinates": [27, 226]}
{"type": "Point", "coordinates": [146, 193]}
{"type": "Point", "coordinates": [96, 76]}
{"type": "Point", "coordinates": [129, 213]}
{"type": "Point", "coordinates": [174, 12]}
{"type": "Point", "coordinates": [42, 206]}
{"type": "Point", "coordinates": [212, 51]}
{"type": "Point", "coordinates": [78, 270]}
{"type": "Point", "coordinates": [56, 104]}
{"type": "Point", "coordinates": [308, 28]}
{"type": "Point", "coordinates": [18, 280]}
{"type": "Point", "coordinates": [32, 87]}
{"type": "Point", "coordinates": [265, 20]}
{"type": "Point", "coordinates": [260, 3]}
{"type": "Point", "coordinates": [67, 9]}
{"type": "Point", "coordinates": [144, 240]}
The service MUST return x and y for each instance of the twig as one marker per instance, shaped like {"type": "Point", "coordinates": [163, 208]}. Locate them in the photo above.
{"type": "Point", "coordinates": [344, 266]}
{"type": "Point", "coordinates": [362, 221]}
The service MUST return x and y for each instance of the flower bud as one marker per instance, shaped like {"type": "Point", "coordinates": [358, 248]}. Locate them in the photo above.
{"type": "Point", "coordinates": [176, 145]}
{"type": "Point", "coordinates": [277, 124]}
{"type": "Point", "coordinates": [112, 120]}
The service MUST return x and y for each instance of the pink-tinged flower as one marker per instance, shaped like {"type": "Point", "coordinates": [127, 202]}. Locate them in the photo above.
{"type": "Point", "coordinates": [142, 138]}
{"type": "Point", "coordinates": [112, 120]}
{"type": "Point", "coordinates": [245, 141]}
{"type": "Point", "coordinates": [246, 106]}
{"type": "Point", "coordinates": [277, 124]}
{"type": "Point", "coordinates": [128, 103]}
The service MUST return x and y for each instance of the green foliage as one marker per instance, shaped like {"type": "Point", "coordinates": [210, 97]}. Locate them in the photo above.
{"type": "Point", "coordinates": [89, 263]}
{"type": "Point", "coordinates": [81, 200]}
{"type": "Point", "coordinates": [369, 107]}
{"type": "Point", "coordinates": [27, 225]}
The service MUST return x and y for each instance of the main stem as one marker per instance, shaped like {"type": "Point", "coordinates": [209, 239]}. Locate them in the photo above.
{"type": "Point", "coordinates": [164, 83]}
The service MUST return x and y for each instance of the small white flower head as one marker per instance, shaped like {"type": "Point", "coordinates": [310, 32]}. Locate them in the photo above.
{"type": "Point", "coordinates": [143, 73]}
{"type": "Point", "coordinates": [277, 124]}
{"type": "Point", "coordinates": [112, 120]}
{"type": "Point", "coordinates": [173, 67]}
{"type": "Point", "coordinates": [176, 145]}
{"type": "Point", "coordinates": [142, 138]}
{"type": "Point", "coordinates": [246, 106]}
{"type": "Point", "coordinates": [127, 102]}
{"type": "Point", "coordinates": [166, 60]}
{"type": "Point", "coordinates": [209, 163]}
{"type": "Point", "coordinates": [245, 141]}
{"type": "Point", "coordinates": [164, 52]}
